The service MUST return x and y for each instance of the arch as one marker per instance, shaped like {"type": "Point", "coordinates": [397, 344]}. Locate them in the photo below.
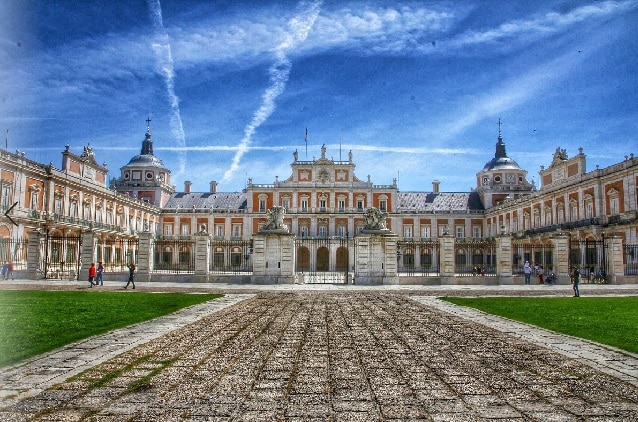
{"type": "Point", "coordinates": [303, 259]}
{"type": "Point", "coordinates": [323, 259]}
{"type": "Point", "coordinates": [341, 263]}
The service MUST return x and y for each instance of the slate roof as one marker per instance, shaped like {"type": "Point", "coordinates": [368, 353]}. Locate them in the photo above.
{"type": "Point", "coordinates": [439, 202]}
{"type": "Point", "coordinates": [199, 200]}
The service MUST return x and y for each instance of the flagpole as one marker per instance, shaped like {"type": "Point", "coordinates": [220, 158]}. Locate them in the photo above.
{"type": "Point", "coordinates": [306, 143]}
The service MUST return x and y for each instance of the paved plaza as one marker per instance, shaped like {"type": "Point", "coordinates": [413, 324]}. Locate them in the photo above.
{"type": "Point", "coordinates": [326, 354]}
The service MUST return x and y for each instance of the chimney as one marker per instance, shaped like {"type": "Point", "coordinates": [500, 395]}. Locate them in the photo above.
{"type": "Point", "coordinates": [187, 187]}
{"type": "Point", "coordinates": [213, 187]}
{"type": "Point", "coordinates": [435, 186]}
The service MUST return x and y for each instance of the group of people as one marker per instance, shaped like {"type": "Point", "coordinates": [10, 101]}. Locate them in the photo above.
{"type": "Point", "coordinates": [96, 275]}
{"type": "Point", "coordinates": [575, 276]}
{"type": "Point", "coordinates": [538, 269]}
{"type": "Point", "coordinates": [7, 270]}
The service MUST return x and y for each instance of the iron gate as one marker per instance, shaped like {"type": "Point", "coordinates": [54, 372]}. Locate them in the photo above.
{"type": "Point", "coordinates": [61, 256]}
{"type": "Point", "coordinates": [590, 256]}
{"type": "Point", "coordinates": [324, 260]}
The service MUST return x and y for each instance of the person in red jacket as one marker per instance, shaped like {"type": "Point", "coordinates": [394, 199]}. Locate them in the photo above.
{"type": "Point", "coordinates": [92, 272]}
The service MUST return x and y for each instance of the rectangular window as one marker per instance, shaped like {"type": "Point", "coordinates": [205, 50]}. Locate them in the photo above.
{"type": "Point", "coordinates": [286, 204]}
{"type": "Point", "coordinates": [185, 229]}
{"type": "Point", "coordinates": [342, 205]}
{"type": "Point", "coordinates": [74, 209]}
{"type": "Point", "coordinates": [34, 200]}
{"type": "Point", "coordinates": [341, 231]}
{"type": "Point", "coordinates": [109, 217]}
{"type": "Point", "coordinates": [322, 204]}
{"type": "Point", "coordinates": [58, 206]}
{"type": "Point", "coordinates": [323, 231]}
{"type": "Point", "coordinates": [383, 205]}
{"type": "Point", "coordinates": [98, 215]}
{"type": "Point", "coordinates": [236, 230]}
{"type": "Point", "coordinates": [359, 205]}
{"type": "Point", "coordinates": [168, 229]}
{"type": "Point", "coordinates": [476, 232]}
{"type": "Point", "coordinates": [304, 231]}
{"type": "Point", "coordinates": [407, 232]}
{"type": "Point", "coordinates": [425, 232]}
{"type": "Point", "coordinates": [460, 232]}
{"type": "Point", "coordinates": [262, 205]}
{"type": "Point", "coordinates": [613, 205]}
{"type": "Point", "coordinates": [304, 205]}
{"type": "Point", "coordinates": [574, 214]}
{"type": "Point", "coordinates": [6, 196]}
{"type": "Point", "coordinates": [219, 230]}
{"type": "Point", "coordinates": [87, 212]}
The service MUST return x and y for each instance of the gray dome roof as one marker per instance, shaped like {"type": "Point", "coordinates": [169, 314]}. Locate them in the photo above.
{"type": "Point", "coordinates": [146, 160]}
{"type": "Point", "coordinates": [501, 163]}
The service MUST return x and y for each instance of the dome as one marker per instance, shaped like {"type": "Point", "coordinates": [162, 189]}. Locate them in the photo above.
{"type": "Point", "coordinates": [501, 163]}
{"type": "Point", "coordinates": [146, 160]}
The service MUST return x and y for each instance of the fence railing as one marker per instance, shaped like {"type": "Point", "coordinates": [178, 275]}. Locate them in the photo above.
{"type": "Point", "coordinates": [231, 256]}
{"type": "Point", "coordinates": [590, 256]}
{"type": "Point", "coordinates": [174, 255]}
{"type": "Point", "coordinates": [418, 257]}
{"type": "Point", "coordinates": [117, 254]}
{"type": "Point", "coordinates": [14, 252]}
{"type": "Point", "coordinates": [475, 257]}
{"type": "Point", "coordinates": [539, 256]}
{"type": "Point", "coordinates": [631, 259]}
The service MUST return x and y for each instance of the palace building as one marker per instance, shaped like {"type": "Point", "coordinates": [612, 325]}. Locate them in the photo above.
{"type": "Point", "coordinates": [324, 202]}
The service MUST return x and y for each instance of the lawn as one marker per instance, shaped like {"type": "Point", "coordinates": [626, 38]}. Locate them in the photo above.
{"type": "Point", "coordinates": [34, 322]}
{"type": "Point", "coordinates": [608, 320]}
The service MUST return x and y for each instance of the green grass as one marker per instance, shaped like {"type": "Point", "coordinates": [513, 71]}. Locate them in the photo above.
{"type": "Point", "coordinates": [607, 320]}
{"type": "Point", "coordinates": [34, 322]}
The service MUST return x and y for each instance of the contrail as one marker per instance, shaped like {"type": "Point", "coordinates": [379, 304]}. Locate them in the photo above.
{"type": "Point", "coordinates": [298, 28]}
{"type": "Point", "coordinates": [162, 49]}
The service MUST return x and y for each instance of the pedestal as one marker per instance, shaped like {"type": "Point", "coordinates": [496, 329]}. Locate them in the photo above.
{"type": "Point", "coordinates": [376, 258]}
{"type": "Point", "coordinates": [274, 257]}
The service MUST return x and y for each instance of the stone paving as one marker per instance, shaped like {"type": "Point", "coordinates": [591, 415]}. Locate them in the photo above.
{"type": "Point", "coordinates": [342, 356]}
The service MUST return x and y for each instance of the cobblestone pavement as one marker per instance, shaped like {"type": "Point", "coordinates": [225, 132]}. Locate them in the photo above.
{"type": "Point", "coordinates": [334, 356]}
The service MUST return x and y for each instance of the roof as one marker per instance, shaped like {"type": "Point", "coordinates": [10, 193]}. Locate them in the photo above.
{"type": "Point", "coordinates": [199, 200]}
{"type": "Point", "coordinates": [439, 202]}
{"type": "Point", "coordinates": [146, 160]}
{"type": "Point", "coordinates": [501, 163]}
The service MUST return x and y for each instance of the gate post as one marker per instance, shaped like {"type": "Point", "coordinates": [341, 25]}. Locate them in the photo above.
{"type": "Point", "coordinates": [88, 254]}
{"type": "Point", "coordinates": [561, 258]}
{"type": "Point", "coordinates": [145, 256]}
{"type": "Point", "coordinates": [376, 258]}
{"type": "Point", "coordinates": [274, 257]}
{"type": "Point", "coordinates": [35, 256]}
{"type": "Point", "coordinates": [447, 262]}
{"type": "Point", "coordinates": [504, 259]}
{"type": "Point", "coordinates": [615, 268]}
{"type": "Point", "coordinates": [202, 256]}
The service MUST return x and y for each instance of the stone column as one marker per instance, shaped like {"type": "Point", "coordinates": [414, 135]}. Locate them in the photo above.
{"type": "Point", "coordinates": [274, 258]}
{"type": "Point", "coordinates": [504, 259]}
{"type": "Point", "coordinates": [202, 256]}
{"type": "Point", "coordinates": [447, 262]}
{"type": "Point", "coordinates": [615, 260]}
{"type": "Point", "coordinates": [376, 258]}
{"type": "Point", "coordinates": [145, 257]}
{"type": "Point", "coordinates": [560, 258]}
{"type": "Point", "coordinates": [35, 255]}
{"type": "Point", "coordinates": [88, 255]}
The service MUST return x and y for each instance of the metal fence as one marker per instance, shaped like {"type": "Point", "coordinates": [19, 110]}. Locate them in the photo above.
{"type": "Point", "coordinates": [540, 257]}
{"type": "Point", "coordinates": [475, 257]}
{"type": "Point", "coordinates": [324, 259]}
{"type": "Point", "coordinates": [61, 256]}
{"type": "Point", "coordinates": [231, 257]}
{"type": "Point", "coordinates": [418, 257]}
{"type": "Point", "coordinates": [174, 256]}
{"type": "Point", "coordinates": [117, 254]}
{"type": "Point", "coordinates": [14, 252]}
{"type": "Point", "coordinates": [590, 257]}
{"type": "Point", "coordinates": [631, 259]}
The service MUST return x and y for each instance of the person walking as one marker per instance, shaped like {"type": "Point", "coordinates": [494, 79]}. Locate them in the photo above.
{"type": "Point", "coordinates": [131, 275]}
{"type": "Point", "coordinates": [5, 270]}
{"type": "Point", "coordinates": [92, 274]}
{"type": "Point", "coordinates": [576, 282]}
{"type": "Point", "coordinates": [100, 273]}
{"type": "Point", "coordinates": [10, 271]}
{"type": "Point", "coordinates": [527, 270]}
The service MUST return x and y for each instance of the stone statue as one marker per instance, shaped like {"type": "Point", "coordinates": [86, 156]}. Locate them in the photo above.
{"type": "Point", "coordinates": [375, 219]}
{"type": "Point", "coordinates": [323, 151]}
{"type": "Point", "coordinates": [276, 220]}
{"type": "Point", "coordinates": [296, 155]}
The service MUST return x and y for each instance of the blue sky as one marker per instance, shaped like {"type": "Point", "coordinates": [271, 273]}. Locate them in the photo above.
{"type": "Point", "coordinates": [414, 89]}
